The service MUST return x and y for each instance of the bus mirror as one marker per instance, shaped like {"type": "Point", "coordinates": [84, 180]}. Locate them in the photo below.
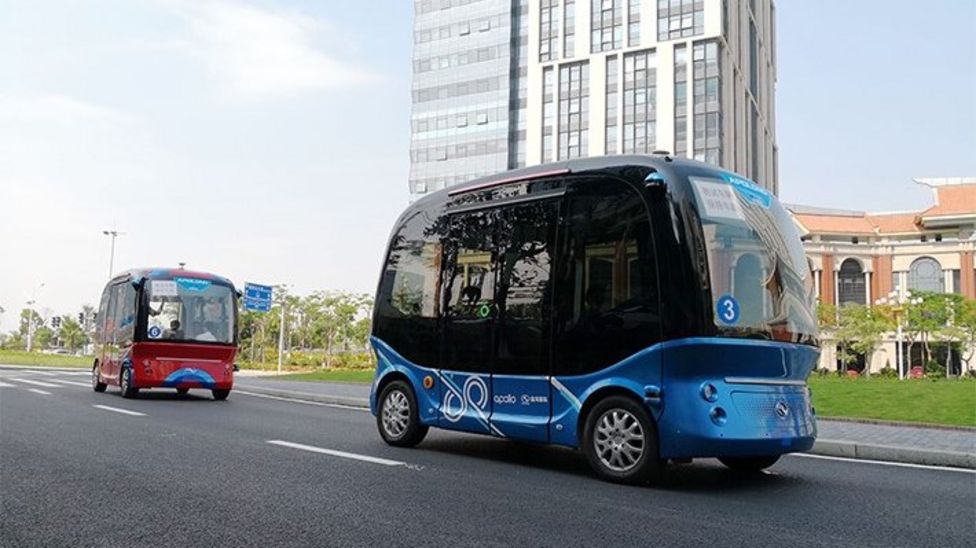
{"type": "Point", "coordinates": [655, 180]}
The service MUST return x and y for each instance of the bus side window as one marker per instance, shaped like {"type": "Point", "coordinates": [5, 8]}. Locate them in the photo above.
{"type": "Point", "coordinates": [114, 326]}
{"type": "Point", "coordinates": [127, 314]}
{"type": "Point", "coordinates": [103, 314]}
{"type": "Point", "coordinates": [607, 304]}
{"type": "Point", "coordinates": [407, 306]}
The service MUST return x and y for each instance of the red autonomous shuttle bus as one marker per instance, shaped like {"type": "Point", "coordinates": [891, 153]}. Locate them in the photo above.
{"type": "Point", "coordinates": [166, 328]}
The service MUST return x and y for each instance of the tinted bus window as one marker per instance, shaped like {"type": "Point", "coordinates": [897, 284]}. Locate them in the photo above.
{"type": "Point", "coordinates": [407, 307]}
{"type": "Point", "coordinates": [189, 309]}
{"type": "Point", "coordinates": [470, 279]}
{"type": "Point", "coordinates": [607, 304]}
{"type": "Point", "coordinates": [103, 314]}
{"type": "Point", "coordinates": [527, 234]}
{"type": "Point", "coordinates": [127, 313]}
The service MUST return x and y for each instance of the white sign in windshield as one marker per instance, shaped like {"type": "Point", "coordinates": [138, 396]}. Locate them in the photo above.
{"type": "Point", "coordinates": [718, 200]}
{"type": "Point", "coordinates": [164, 288]}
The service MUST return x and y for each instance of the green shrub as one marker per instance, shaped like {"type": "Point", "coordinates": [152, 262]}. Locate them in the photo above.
{"type": "Point", "coordinates": [887, 372]}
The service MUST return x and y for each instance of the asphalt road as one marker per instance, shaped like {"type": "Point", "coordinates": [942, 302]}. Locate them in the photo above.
{"type": "Point", "coordinates": [191, 471]}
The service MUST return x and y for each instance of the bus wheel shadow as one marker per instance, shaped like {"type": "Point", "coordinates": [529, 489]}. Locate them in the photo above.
{"type": "Point", "coordinates": [703, 475]}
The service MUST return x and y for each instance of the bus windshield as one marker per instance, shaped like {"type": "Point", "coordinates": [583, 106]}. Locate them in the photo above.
{"type": "Point", "coordinates": [189, 310]}
{"type": "Point", "coordinates": [760, 277]}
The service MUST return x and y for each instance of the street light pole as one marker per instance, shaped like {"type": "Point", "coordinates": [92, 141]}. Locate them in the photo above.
{"type": "Point", "coordinates": [111, 258]}
{"type": "Point", "coordinates": [30, 317]}
{"type": "Point", "coordinates": [281, 327]}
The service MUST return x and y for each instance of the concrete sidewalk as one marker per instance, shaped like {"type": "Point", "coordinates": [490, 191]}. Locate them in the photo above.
{"type": "Point", "coordinates": [857, 440]}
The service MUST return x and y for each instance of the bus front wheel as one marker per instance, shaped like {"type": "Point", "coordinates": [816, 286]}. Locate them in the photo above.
{"type": "Point", "coordinates": [398, 417]}
{"type": "Point", "coordinates": [621, 443]}
{"type": "Point", "coordinates": [749, 464]}
{"type": "Point", "coordinates": [97, 384]}
{"type": "Point", "coordinates": [220, 394]}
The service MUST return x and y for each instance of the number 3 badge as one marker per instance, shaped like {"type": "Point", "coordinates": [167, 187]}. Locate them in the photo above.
{"type": "Point", "coordinates": [727, 309]}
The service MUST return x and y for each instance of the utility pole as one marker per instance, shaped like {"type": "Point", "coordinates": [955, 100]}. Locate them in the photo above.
{"type": "Point", "coordinates": [111, 258]}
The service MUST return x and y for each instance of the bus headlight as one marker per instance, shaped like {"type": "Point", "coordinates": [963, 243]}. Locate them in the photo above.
{"type": "Point", "coordinates": [709, 392]}
{"type": "Point", "coordinates": [718, 416]}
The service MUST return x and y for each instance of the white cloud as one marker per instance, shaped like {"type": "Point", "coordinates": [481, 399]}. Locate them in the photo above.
{"type": "Point", "coordinates": [33, 107]}
{"type": "Point", "coordinates": [258, 53]}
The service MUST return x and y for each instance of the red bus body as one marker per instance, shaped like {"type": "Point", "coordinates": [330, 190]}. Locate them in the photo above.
{"type": "Point", "coordinates": [166, 328]}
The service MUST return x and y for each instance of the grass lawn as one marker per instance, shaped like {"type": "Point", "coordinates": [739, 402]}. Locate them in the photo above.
{"type": "Point", "coordinates": [19, 357]}
{"type": "Point", "coordinates": [362, 376]}
{"type": "Point", "coordinates": [950, 402]}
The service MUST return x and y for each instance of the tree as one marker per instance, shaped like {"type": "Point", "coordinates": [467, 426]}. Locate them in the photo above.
{"type": "Point", "coordinates": [72, 335]}
{"type": "Point", "coordinates": [860, 330]}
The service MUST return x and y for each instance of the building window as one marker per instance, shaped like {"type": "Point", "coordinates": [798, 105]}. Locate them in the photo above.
{"type": "Point", "coordinates": [606, 20]}
{"type": "Point", "coordinates": [850, 283]}
{"type": "Point", "coordinates": [956, 281]}
{"type": "Point", "coordinates": [548, 30]}
{"type": "Point", "coordinates": [633, 22]}
{"type": "Point", "coordinates": [569, 28]}
{"type": "Point", "coordinates": [925, 274]}
{"type": "Point", "coordinates": [613, 77]}
{"type": "Point", "coordinates": [548, 112]}
{"type": "Point", "coordinates": [681, 100]}
{"type": "Point", "coordinates": [574, 110]}
{"type": "Point", "coordinates": [680, 18]}
{"type": "Point", "coordinates": [753, 62]}
{"type": "Point", "coordinates": [640, 102]}
{"type": "Point", "coordinates": [707, 102]}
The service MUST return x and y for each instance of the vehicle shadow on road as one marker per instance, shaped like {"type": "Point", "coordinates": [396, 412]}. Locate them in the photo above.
{"type": "Point", "coordinates": [171, 395]}
{"type": "Point", "coordinates": [704, 475]}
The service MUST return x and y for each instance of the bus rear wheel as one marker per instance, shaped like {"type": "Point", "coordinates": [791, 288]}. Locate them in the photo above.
{"type": "Point", "coordinates": [97, 384]}
{"type": "Point", "coordinates": [749, 464]}
{"type": "Point", "coordinates": [220, 394]}
{"type": "Point", "coordinates": [621, 443]}
{"type": "Point", "coordinates": [182, 391]}
{"type": "Point", "coordinates": [125, 384]}
{"type": "Point", "coordinates": [397, 418]}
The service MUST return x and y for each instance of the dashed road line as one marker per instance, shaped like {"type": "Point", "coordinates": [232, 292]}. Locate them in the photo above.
{"type": "Point", "coordinates": [5, 385]}
{"type": "Point", "coordinates": [334, 453]}
{"type": "Point", "coordinates": [36, 383]}
{"type": "Point", "coordinates": [72, 383]}
{"type": "Point", "coordinates": [39, 391]}
{"type": "Point", "coordinates": [119, 410]}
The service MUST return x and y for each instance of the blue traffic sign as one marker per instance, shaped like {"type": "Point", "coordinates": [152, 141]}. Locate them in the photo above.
{"type": "Point", "coordinates": [257, 297]}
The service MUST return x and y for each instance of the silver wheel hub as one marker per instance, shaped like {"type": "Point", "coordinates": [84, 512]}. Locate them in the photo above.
{"type": "Point", "coordinates": [618, 440]}
{"type": "Point", "coordinates": [94, 376]}
{"type": "Point", "coordinates": [396, 413]}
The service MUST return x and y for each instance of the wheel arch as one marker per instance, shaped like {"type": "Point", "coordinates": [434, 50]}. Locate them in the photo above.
{"type": "Point", "coordinates": [602, 393]}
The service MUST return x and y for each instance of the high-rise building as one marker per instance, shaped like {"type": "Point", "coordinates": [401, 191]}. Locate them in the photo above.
{"type": "Point", "coordinates": [499, 84]}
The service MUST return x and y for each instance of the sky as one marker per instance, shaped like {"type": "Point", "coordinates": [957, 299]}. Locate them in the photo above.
{"type": "Point", "coordinates": [268, 140]}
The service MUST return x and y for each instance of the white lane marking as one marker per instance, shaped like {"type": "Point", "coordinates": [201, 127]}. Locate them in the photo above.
{"type": "Point", "coordinates": [5, 385]}
{"type": "Point", "coordinates": [42, 373]}
{"type": "Point", "coordinates": [36, 383]}
{"type": "Point", "coordinates": [306, 402]}
{"type": "Point", "coordinates": [123, 411]}
{"type": "Point", "coordinates": [334, 453]}
{"type": "Point", "coordinates": [37, 391]}
{"type": "Point", "coordinates": [79, 373]}
{"type": "Point", "coordinates": [885, 463]}
{"type": "Point", "coordinates": [72, 383]}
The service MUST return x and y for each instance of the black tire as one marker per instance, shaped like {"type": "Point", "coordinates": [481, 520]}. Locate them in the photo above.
{"type": "Point", "coordinates": [97, 384]}
{"type": "Point", "coordinates": [397, 415]}
{"type": "Point", "coordinates": [749, 464]}
{"type": "Point", "coordinates": [220, 394]}
{"type": "Point", "coordinates": [617, 450]}
{"type": "Point", "coordinates": [125, 384]}
{"type": "Point", "coordinates": [182, 391]}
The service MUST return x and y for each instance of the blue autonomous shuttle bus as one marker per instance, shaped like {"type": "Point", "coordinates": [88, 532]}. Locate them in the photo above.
{"type": "Point", "coordinates": [640, 308]}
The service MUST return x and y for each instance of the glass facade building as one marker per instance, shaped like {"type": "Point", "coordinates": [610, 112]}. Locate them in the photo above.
{"type": "Point", "coordinates": [500, 84]}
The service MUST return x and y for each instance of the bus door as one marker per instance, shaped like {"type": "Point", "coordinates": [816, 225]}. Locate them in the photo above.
{"type": "Point", "coordinates": [469, 318]}
{"type": "Point", "coordinates": [526, 235]}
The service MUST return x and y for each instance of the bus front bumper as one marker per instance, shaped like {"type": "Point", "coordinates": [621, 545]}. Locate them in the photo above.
{"type": "Point", "coordinates": [741, 421]}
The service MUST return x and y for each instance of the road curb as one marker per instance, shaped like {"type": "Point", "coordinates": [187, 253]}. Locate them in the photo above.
{"type": "Point", "coordinates": [887, 453]}
{"type": "Point", "coordinates": [825, 447]}
{"type": "Point", "coordinates": [46, 367]}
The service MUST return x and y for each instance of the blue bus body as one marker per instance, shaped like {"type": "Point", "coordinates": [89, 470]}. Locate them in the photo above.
{"type": "Point", "coordinates": [718, 359]}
